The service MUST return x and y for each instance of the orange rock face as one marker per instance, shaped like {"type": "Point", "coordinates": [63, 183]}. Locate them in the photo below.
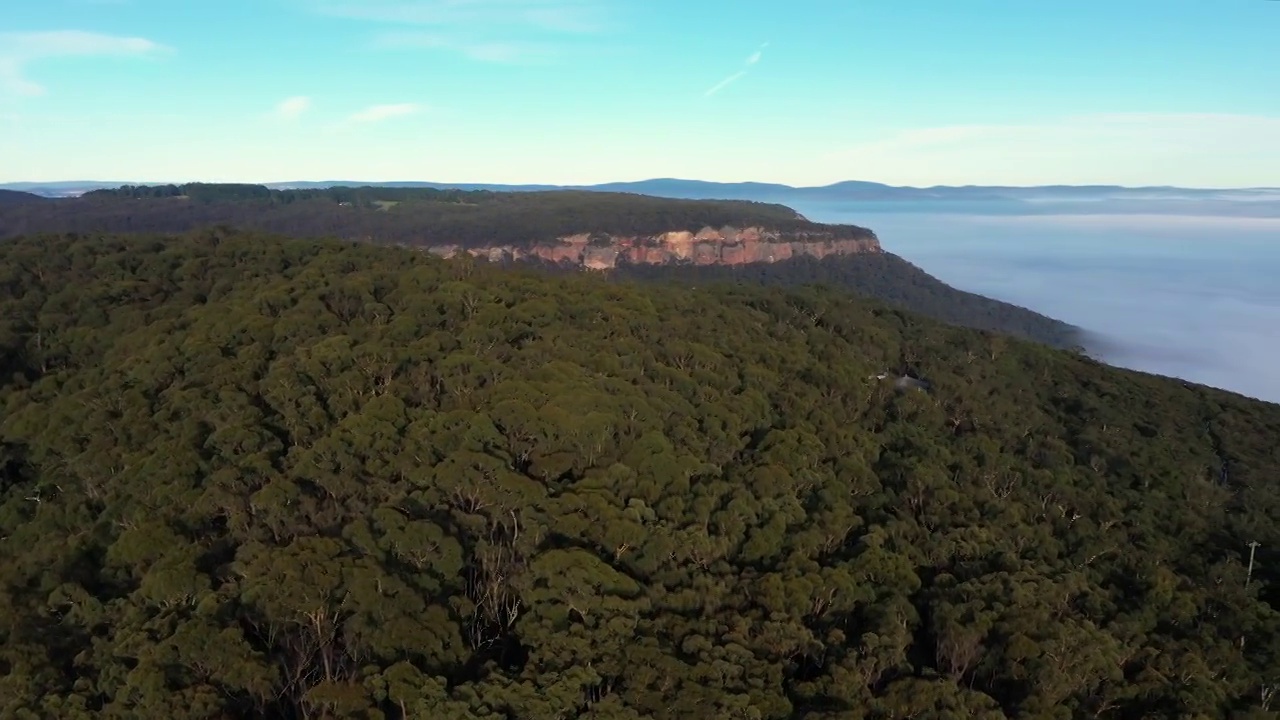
{"type": "Point", "coordinates": [726, 246]}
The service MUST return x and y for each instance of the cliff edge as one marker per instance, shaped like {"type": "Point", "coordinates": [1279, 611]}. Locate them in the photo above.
{"type": "Point", "coordinates": [584, 229]}
{"type": "Point", "coordinates": [709, 246]}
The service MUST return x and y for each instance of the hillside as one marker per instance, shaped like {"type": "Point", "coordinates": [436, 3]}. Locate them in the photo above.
{"type": "Point", "coordinates": [881, 276]}
{"type": "Point", "coordinates": [15, 197]}
{"type": "Point", "coordinates": [413, 216]}
{"type": "Point", "coordinates": [577, 229]}
{"type": "Point", "coordinates": [245, 477]}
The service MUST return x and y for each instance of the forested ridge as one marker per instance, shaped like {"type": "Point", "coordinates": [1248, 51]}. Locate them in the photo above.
{"type": "Point", "coordinates": [423, 217]}
{"type": "Point", "coordinates": [882, 276]}
{"type": "Point", "coordinates": [15, 197]}
{"type": "Point", "coordinates": [408, 216]}
{"type": "Point", "coordinates": [252, 477]}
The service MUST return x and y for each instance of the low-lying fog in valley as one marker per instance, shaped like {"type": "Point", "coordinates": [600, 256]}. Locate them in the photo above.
{"type": "Point", "coordinates": [1193, 297]}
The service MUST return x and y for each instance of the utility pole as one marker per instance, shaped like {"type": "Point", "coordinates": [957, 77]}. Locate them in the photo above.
{"type": "Point", "coordinates": [1253, 548]}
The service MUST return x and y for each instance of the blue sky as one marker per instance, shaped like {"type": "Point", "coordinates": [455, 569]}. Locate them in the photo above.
{"type": "Point", "coordinates": [1181, 92]}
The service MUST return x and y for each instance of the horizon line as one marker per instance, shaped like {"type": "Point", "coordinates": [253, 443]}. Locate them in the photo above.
{"type": "Point", "coordinates": [570, 186]}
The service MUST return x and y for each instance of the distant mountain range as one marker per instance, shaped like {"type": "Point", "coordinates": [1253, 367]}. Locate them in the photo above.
{"type": "Point", "coordinates": [1257, 202]}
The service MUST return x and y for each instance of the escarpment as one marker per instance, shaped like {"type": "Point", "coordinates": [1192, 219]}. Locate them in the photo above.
{"type": "Point", "coordinates": [724, 246]}
{"type": "Point", "coordinates": [571, 228]}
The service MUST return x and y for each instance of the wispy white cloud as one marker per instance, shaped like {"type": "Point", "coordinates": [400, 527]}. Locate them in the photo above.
{"type": "Point", "coordinates": [18, 50]}
{"type": "Point", "coordinates": [752, 59]}
{"type": "Point", "coordinates": [1122, 148]}
{"type": "Point", "coordinates": [378, 113]}
{"type": "Point", "coordinates": [292, 108]}
{"type": "Point", "coordinates": [483, 30]}
{"type": "Point", "coordinates": [12, 82]}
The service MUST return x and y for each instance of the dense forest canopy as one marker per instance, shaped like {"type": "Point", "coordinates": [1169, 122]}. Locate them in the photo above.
{"type": "Point", "coordinates": [248, 477]}
{"type": "Point", "coordinates": [410, 216]}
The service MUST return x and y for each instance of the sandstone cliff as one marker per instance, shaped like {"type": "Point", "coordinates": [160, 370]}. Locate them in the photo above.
{"type": "Point", "coordinates": [726, 246]}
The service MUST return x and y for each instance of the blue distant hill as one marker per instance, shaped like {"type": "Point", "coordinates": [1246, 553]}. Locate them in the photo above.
{"type": "Point", "coordinates": [1255, 202]}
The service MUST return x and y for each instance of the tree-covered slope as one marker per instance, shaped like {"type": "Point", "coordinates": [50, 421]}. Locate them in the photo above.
{"type": "Point", "coordinates": [424, 217]}
{"type": "Point", "coordinates": [882, 276]}
{"type": "Point", "coordinates": [245, 477]}
{"type": "Point", "coordinates": [407, 216]}
{"type": "Point", "coordinates": [13, 198]}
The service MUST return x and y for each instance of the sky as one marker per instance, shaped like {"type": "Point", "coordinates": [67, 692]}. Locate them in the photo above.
{"type": "Point", "coordinates": [803, 92]}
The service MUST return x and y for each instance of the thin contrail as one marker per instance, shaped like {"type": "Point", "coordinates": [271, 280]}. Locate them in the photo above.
{"type": "Point", "coordinates": [752, 59]}
{"type": "Point", "coordinates": [724, 83]}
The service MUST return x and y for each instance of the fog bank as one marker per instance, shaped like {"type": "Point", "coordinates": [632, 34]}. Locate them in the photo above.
{"type": "Point", "coordinates": [1194, 297]}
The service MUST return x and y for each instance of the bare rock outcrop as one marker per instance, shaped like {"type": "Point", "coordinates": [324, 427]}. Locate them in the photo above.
{"type": "Point", "coordinates": [710, 246]}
